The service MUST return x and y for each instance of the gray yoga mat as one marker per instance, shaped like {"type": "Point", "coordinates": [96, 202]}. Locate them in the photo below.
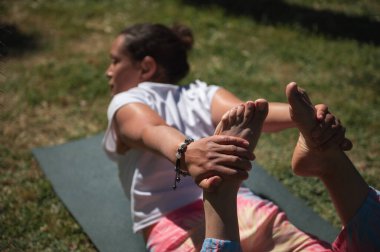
{"type": "Point", "coordinates": [87, 183]}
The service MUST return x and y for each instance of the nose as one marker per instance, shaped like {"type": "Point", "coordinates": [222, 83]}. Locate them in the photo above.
{"type": "Point", "coordinates": [109, 72]}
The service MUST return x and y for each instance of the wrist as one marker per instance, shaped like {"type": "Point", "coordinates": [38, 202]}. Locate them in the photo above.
{"type": "Point", "coordinates": [333, 158]}
{"type": "Point", "coordinates": [180, 160]}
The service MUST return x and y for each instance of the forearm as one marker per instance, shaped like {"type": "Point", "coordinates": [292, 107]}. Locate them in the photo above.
{"type": "Point", "coordinates": [278, 117]}
{"type": "Point", "coordinates": [138, 126]}
{"type": "Point", "coordinates": [362, 232]}
{"type": "Point", "coordinates": [162, 139]}
{"type": "Point", "coordinates": [346, 187]}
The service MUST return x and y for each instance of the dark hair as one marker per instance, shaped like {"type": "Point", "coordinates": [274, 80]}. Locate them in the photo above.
{"type": "Point", "coordinates": [168, 46]}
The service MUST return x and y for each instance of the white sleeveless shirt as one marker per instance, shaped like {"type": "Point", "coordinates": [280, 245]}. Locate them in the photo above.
{"type": "Point", "coordinates": [147, 178]}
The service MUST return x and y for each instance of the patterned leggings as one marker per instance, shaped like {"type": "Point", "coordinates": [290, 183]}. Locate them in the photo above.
{"type": "Point", "coordinates": [263, 227]}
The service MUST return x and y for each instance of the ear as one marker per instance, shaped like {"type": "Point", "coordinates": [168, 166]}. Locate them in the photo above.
{"type": "Point", "coordinates": [148, 68]}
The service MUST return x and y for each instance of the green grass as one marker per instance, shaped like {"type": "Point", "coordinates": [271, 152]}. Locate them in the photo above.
{"type": "Point", "coordinates": [55, 90]}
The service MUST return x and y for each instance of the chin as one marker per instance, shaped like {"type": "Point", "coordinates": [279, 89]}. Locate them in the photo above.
{"type": "Point", "coordinates": [112, 90]}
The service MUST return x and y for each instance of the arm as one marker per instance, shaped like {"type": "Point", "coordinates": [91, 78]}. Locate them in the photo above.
{"type": "Point", "coordinates": [138, 126]}
{"type": "Point", "coordinates": [345, 185]}
{"type": "Point", "coordinates": [278, 116]}
{"type": "Point", "coordinates": [362, 233]}
{"type": "Point", "coordinates": [141, 127]}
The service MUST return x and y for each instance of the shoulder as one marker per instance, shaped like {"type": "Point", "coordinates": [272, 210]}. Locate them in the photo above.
{"type": "Point", "coordinates": [200, 89]}
{"type": "Point", "coordinates": [198, 84]}
{"type": "Point", "coordinates": [133, 95]}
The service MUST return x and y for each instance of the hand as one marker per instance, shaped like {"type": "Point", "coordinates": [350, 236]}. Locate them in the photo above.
{"type": "Point", "coordinates": [329, 131]}
{"type": "Point", "coordinates": [224, 156]}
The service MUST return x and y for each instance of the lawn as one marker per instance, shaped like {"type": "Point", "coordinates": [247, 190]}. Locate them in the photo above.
{"type": "Point", "coordinates": [53, 88]}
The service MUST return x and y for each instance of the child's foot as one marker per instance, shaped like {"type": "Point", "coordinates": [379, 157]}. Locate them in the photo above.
{"type": "Point", "coordinates": [245, 121]}
{"type": "Point", "coordinates": [307, 159]}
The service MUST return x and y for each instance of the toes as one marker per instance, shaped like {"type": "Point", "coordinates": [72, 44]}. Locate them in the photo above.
{"type": "Point", "coordinates": [232, 116]}
{"type": "Point", "coordinates": [222, 124]}
{"type": "Point", "coordinates": [260, 113]}
{"type": "Point", "coordinates": [249, 111]}
{"type": "Point", "coordinates": [240, 112]}
{"type": "Point", "coordinates": [261, 109]}
{"type": "Point", "coordinates": [302, 111]}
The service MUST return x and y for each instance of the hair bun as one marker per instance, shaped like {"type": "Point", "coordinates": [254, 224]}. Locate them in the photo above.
{"type": "Point", "coordinates": [185, 34]}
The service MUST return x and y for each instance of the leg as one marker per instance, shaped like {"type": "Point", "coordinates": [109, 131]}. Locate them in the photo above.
{"type": "Point", "coordinates": [245, 121]}
{"type": "Point", "coordinates": [262, 224]}
{"type": "Point", "coordinates": [346, 187]}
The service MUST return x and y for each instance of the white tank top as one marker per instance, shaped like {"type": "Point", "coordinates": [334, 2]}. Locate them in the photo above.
{"type": "Point", "coordinates": [147, 178]}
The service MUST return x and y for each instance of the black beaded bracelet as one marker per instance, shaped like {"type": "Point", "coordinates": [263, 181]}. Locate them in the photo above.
{"type": "Point", "coordinates": [180, 151]}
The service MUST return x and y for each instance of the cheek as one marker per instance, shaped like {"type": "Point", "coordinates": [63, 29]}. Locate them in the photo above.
{"type": "Point", "coordinates": [123, 78]}
{"type": "Point", "coordinates": [120, 73]}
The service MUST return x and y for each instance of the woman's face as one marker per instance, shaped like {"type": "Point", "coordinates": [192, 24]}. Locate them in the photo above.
{"type": "Point", "coordinates": [123, 73]}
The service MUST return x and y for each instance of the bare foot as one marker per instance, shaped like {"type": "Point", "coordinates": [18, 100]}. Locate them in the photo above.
{"type": "Point", "coordinates": [307, 159]}
{"type": "Point", "coordinates": [245, 121]}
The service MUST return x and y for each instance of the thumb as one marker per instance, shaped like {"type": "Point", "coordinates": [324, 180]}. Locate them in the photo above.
{"type": "Point", "coordinates": [210, 184]}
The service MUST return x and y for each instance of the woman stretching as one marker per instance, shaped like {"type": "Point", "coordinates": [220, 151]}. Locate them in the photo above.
{"type": "Point", "coordinates": [152, 125]}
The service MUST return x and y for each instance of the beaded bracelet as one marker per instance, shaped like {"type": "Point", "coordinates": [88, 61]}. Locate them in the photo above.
{"type": "Point", "coordinates": [180, 151]}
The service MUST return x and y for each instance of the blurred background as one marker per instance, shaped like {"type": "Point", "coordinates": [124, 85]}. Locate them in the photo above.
{"type": "Point", "coordinates": [53, 87]}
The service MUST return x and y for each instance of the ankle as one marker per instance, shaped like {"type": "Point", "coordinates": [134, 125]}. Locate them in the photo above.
{"type": "Point", "coordinates": [227, 190]}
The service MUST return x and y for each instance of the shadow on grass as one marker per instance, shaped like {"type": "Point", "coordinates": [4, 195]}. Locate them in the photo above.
{"type": "Point", "coordinates": [14, 43]}
{"type": "Point", "coordinates": [332, 24]}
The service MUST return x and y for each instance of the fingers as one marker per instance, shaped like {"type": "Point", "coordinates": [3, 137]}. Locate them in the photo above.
{"type": "Point", "coordinates": [229, 170]}
{"type": "Point", "coordinates": [210, 184]}
{"type": "Point", "coordinates": [326, 129]}
{"type": "Point", "coordinates": [233, 151]}
{"type": "Point", "coordinates": [227, 163]}
{"type": "Point", "coordinates": [226, 166]}
{"type": "Point", "coordinates": [222, 124]}
{"type": "Point", "coordinates": [321, 111]}
{"type": "Point", "coordinates": [221, 172]}
{"type": "Point", "coordinates": [208, 157]}
{"type": "Point", "coordinates": [239, 115]}
{"type": "Point", "coordinates": [330, 132]}
{"type": "Point", "coordinates": [338, 140]}
{"type": "Point", "coordinates": [346, 144]}
{"type": "Point", "coordinates": [331, 140]}
{"type": "Point", "coordinates": [261, 112]}
{"type": "Point", "coordinates": [229, 140]}
{"type": "Point", "coordinates": [249, 110]}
